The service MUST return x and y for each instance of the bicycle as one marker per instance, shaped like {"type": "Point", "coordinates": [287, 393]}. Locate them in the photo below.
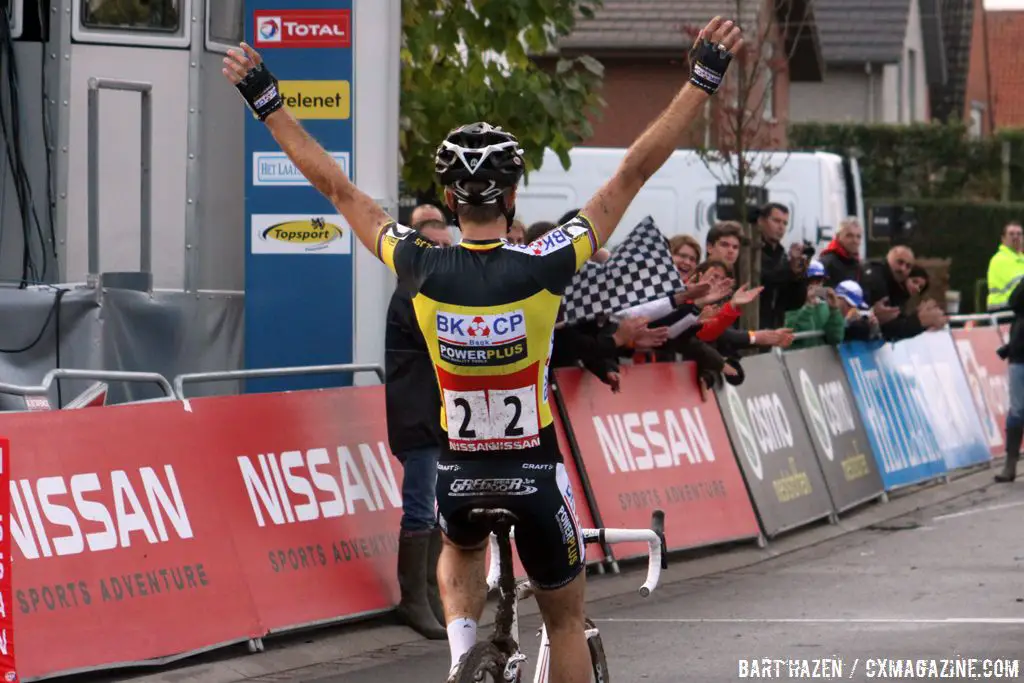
{"type": "Point", "coordinates": [500, 656]}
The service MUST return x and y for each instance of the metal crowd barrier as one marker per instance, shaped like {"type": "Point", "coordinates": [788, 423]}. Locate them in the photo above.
{"type": "Point", "coordinates": [992, 318]}
{"type": "Point", "coordinates": [260, 373]}
{"type": "Point", "coordinates": [99, 375]}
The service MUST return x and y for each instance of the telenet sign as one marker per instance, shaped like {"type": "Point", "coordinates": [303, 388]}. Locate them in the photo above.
{"type": "Point", "coordinates": [317, 99]}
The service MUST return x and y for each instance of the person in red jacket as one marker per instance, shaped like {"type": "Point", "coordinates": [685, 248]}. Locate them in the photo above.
{"type": "Point", "coordinates": [841, 257]}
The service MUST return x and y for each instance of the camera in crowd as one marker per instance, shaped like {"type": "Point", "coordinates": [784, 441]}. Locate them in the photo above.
{"type": "Point", "coordinates": [809, 250]}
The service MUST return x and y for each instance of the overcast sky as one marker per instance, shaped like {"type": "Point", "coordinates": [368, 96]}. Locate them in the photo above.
{"type": "Point", "coordinates": [1004, 4]}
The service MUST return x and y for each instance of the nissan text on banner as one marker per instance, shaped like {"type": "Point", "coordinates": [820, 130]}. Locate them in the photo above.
{"type": "Point", "coordinates": [121, 541]}
{"type": "Point", "coordinates": [299, 264]}
{"type": "Point", "coordinates": [8, 670]}
{"type": "Point", "coordinates": [817, 378]}
{"type": "Point", "coordinates": [657, 445]}
{"type": "Point", "coordinates": [987, 375]}
{"type": "Point", "coordinates": [312, 500]}
{"type": "Point", "coordinates": [894, 414]}
{"type": "Point", "coordinates": [773, 447]}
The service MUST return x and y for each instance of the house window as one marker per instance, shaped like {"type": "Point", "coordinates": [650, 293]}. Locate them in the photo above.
{"type": "Point", "coordinates": [974, 125]}
{"type": "Point", "coordinates": [912, 84]}
{"type": "Point", "coordinates": [226, 21]}
{"type": "Point", "coordinates": [768, 55]}
{"type": "Point", "coordinates": [134, 15]}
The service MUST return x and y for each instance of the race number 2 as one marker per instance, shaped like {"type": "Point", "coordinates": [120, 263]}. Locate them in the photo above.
{"type": "Point", "coordinates": [492, 419]}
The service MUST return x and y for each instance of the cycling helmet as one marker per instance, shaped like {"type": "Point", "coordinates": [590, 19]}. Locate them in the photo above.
{"type": "Point", "coordinates": [483, 153]}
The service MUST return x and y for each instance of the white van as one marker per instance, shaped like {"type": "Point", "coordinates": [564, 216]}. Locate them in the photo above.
{"type": "Point", "coordinates": [819, 188]}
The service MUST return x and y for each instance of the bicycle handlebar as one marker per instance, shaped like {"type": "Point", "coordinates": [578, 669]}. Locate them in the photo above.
{"type": "Point", "coordinates": [651, 537]}
{"type": "Point", "coordinates": [655, 539]}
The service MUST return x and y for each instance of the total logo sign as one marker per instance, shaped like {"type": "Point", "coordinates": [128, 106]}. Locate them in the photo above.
{"type": "Point", "coordinates": [328, 28]}
{"type": "Point", "coordinates": [762, 426]}
{"type": "Point", "coordinates": [487, 339]}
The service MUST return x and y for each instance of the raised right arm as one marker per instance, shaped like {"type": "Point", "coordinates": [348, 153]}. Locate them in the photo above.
{"type": "Point", "coordinates": [653, 148]}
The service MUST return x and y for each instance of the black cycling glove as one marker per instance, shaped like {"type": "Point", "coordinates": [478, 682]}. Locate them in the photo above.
{"type": "Point", "coordinates": [259, 90]}
{"type": "Point", "coordinates": [708, 64]}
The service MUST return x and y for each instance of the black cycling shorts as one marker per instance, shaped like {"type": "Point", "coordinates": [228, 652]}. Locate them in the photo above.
{"type": "Point", "coordinates": [547, 532]}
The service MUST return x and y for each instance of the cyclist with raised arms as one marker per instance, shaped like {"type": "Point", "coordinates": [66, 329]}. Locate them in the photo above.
{"type": "Point", "coordinates": [487, 310]}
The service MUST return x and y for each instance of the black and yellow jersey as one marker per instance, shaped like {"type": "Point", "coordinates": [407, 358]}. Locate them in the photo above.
{"type": "Point", "coordinates": [487, 311]}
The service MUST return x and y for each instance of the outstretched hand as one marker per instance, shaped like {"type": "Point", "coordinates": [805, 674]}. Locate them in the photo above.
{"type": "Point", "coordinates": [719, 290]}
{"type": "Point", "coordinates": [240, 62]}
{"type": "Point", "coordinates": [744, 296]}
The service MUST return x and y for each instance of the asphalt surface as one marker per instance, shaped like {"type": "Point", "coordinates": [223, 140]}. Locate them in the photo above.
{"type": "Point", "coordinates": [944, 586]}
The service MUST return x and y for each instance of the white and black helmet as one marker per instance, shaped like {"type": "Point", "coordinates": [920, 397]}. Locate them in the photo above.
{"type": "Point", "coordinates": [479, 153]}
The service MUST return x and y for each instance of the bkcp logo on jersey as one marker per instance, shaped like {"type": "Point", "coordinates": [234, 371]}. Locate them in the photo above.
{"type": "Point", "coordinates": [303, 28]}
{"type": "Point", "coordinates": [552, 241]}
{"type": "Point", "coordinates": [490, 339]}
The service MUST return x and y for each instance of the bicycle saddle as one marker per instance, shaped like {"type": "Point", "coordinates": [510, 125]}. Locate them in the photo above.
{"type": "Point", "coordinates": [493, 517]}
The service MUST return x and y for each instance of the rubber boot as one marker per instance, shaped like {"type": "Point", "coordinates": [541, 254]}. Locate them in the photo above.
{"type": "Point", "coordinates": [1013, 439]}
{"type": "Point", "coordinates": [433, 592]}
{"type": "Point", "coordinates": [414, 609]}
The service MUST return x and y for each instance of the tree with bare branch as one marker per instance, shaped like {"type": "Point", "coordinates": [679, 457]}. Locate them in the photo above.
{"type": "Point", "coordinates": [744, 119]}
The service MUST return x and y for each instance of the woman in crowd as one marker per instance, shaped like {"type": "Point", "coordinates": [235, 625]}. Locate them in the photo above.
{"type": "Point", "coordinates": [685, 252]}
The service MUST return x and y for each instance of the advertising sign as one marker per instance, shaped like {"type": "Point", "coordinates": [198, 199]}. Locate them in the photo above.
{"type": "Point", "coordinates": [773, 447]}
{"type": "Point", "coordinates": [839, 439]}
{"type": "Point", "coordinates": [946, 395]}
{"type": "Point", "coordinates": [312, 498]}
{"type": "Point", "coordinates": [120, 539]}
{"type": "Point", "coordinates": [987, 375]}
{"type": "Point", "coordinates": [894, 413]}
{"type": "Point", "coordinates": [299, 294]}
{"type": "Point", "coordinates": [657, 445]}
{"type": "Point", "coordinates": [8, 668]}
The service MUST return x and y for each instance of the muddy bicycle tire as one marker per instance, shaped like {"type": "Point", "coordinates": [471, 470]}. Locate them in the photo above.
{"type": "Point", "coordinates": [482, 659]}
{"type": "Point", "coordinates": [597, 657]}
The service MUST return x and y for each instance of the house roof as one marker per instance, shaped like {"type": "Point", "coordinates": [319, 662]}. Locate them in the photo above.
{"type": "Point", "coordinates": [1006, 62]}
{"type": "Point", "coordinates": [637, 26]}
{"type": "Point", "coordinates": [861, 31]}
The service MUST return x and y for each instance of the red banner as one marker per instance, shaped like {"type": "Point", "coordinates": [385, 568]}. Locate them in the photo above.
{"type": "Point", "coordinates": [312, 499]}
{"type": "Point", "coordinates": [120, 540]}
{"type": "Point", "coordinates": [658, 445]}
{"type": "Point", "coordinates": [8, 670]}
{"type": "Point", "coordinates": [987, 376]}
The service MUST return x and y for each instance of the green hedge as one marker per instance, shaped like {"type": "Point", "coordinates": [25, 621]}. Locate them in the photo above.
{"type": "Point", "coordinates": [966, 232]}
{"type": "Point", "coordinates": [930, 160]}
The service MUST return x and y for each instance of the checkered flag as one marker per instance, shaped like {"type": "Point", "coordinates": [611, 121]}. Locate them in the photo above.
{"type": "Point", "coordinates": [640, 270]}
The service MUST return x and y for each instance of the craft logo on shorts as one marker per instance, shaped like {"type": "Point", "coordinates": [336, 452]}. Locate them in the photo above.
{"type": "Point", "coordinates": [299, 234]}
{"type": "Point", "coordinates": [488, 339]}
{"type": "Point", "coordinates": [323, 100]}
{"type": "Point", "coordinates": [329, 28]}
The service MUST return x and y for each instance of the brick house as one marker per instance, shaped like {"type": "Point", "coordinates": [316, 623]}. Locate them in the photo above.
{"type": "Point", "coordinates": [643, 43]}
{"type": "Point", "coordinates": [995, 81]}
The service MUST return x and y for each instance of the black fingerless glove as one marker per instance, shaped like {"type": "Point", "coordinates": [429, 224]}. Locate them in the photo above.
{"type": "Point", "coordinates": [708, 64]}
{"type": "Point", "coordinates": [259, 90]}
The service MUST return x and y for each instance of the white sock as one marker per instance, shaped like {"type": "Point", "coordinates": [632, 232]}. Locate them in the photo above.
{"type": "Point", "coordinates": [461, 637]}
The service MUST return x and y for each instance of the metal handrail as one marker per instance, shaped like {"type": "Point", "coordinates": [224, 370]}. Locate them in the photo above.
{"type": "Point", "coordinates": [974, 317]}
{"type": "Point", "coordinates": [146, 163]}
{"type": "Point", "coordinates": [259, 373]}
{"type": "Point", "coordinates": [99, 375]}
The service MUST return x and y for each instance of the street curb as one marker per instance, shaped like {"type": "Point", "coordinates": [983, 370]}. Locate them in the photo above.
{"type": "Point", "coordinates": [293, 653]}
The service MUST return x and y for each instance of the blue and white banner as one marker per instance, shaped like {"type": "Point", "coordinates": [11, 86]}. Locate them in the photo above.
{"type": "Point", "coordinates": [299, 263]}
{"type": "Point", "coordinates": [916, 406]}
{"type": "Point", "coordinates": [894, 414]}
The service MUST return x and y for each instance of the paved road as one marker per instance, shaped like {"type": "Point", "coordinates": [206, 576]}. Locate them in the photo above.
{"type": "Point", "coordinates": [946, 582]}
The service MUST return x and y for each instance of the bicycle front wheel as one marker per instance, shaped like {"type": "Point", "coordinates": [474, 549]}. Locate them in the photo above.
{"type": "Point", "coordinates": [597, 658]}
{"type": "Point", "coordinates": [484, 663]}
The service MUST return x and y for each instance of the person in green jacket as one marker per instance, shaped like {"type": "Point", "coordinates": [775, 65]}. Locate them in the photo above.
{"type": "Point", "coordinates": [820, 313]}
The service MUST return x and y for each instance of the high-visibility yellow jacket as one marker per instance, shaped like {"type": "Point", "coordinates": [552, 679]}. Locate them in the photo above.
{"type": "Point", "coordinates": [1005, 271]}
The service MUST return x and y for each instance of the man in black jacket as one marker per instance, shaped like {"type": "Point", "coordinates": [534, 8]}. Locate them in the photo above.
{"type": "Point", "coordinates": [414, 433]}
{"type": "Point", "coordinates": [782, 270]}
{"type": "Point", "coordinates": [841, 257]}
{"type": "Point", "coordinates": [1014, 353]}
{"type": "Point", "coordinates": [886, 290]}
